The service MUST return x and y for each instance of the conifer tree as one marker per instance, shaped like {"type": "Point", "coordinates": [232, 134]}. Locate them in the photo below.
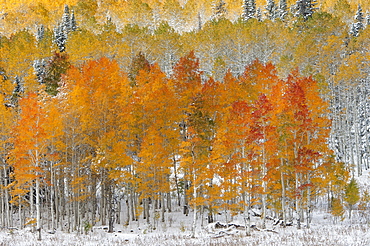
{"type": "Point", "coordinates": [219, 9]}
{"type": "Point", "coordinates": [17, 92]}
{"type": "Point", "coordinates": [283, 9]}
{"type": "Point", "coordinates": [73, 23]}
{"type": "Point", "coordinates": [138, 63]}
{"type": "Point", "coordinates": [39, 67]}
{"type": "Point", "coordinates": [60, 37]}
{"type": "Point", "coordinates": [249, 9]}
{"type": "Point", "coordinates": [259, 14]}
{"type": "Point", "coordinates": [66, 20]}
{"type": "Point", "coordinates": [358, 25]}
{"type": "Point", "coordinates": [40, 33]}
{"type": "Point", "coordinates": [305, 8]}
{"type": "Point", "coordinates": [53, 71]}
{"type": "Point", "coordinates": [271, 9]}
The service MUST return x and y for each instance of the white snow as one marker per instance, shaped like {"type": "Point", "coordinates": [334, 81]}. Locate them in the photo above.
{"type": "Point", "coordinates": [177, 230]}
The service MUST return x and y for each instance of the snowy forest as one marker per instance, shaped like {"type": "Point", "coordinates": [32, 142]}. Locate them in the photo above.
{"type": "Point", "coordinates": [117, 111]}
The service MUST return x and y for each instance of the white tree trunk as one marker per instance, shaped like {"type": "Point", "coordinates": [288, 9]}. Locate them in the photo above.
{"type": "Point", "coordinates": [38, 209]}
{"type": "Point", "coordinates": [283, 194]}
{"type": "Point", "coordinates": [195, 206]}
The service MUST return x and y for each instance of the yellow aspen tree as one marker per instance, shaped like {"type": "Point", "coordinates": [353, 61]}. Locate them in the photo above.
{"type": "Point", "coordinates": [30, 141]}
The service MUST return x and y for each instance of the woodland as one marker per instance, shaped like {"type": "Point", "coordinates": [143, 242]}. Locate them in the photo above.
{"type": "Point", "coordinates": [116, 110]}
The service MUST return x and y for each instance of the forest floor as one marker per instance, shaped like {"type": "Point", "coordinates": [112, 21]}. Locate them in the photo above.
{"type": "Point", "coordinates": [177, 231]}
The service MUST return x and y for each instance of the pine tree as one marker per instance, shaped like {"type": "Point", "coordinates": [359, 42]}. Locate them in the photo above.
{"type": "Point", "coordinates": [283, 9]}
{"type": "Point", "coordinates": [39, 67]}
{"type": "Point", "coordinates": [358, 25]}
{"type": "Point", "coordinates": [60, 37]}
{"type": "Point", "coordinates": [305, 8]}
{"type": "Point", "coordinates": [352, 195]}
{"type": "Point", "coordinates": [53, 71]}
{"type": "Point", "coordinates": [219, 9]}
{"type": "Point", "coordinates": [249, 9]}
{"type": "Point", "coordinates": [40, 33]}
{"type": "Point", "coordinates": [259, 14]}
{"type": "Point", "coordinates": [17, 92]}
{"type": "Point", "coordinates": [138, 63]}
{"type": "Point", "coordinates": [66, 20]}
{"type": "Point", "coordinates": [271, 9]}
{"type": "Point", "coordinates": [61, 31]}
{"type": "Point", "coordinates": [73, 23]}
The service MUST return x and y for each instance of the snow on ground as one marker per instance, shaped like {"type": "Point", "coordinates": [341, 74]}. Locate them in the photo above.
{"type": "Point", "coordinates": [177, 230]}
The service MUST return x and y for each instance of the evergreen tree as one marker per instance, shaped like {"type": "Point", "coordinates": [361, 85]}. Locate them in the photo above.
{"type": "Point", "coordinates": [138, 63]}
{"type": "Point", "coordinates": [39, 67]}
{"type": "Point", "coordinates": [359, 17]}
{"type": "Point", "coordinates": [199, 22]}
{"type": "Point", "coordinates": [358, 25]}
{"type": "Point", "coordinates": [249, 9]}
{"type": "Point", "coordinates": [3, 74]}
{"type": "Point", "coordinates": [60, 37]}
{"type": "Point", "coordinates": [54, 69]}
{"type": "Point", "coordinates": [271, 9]}
{"type": "Point", "coordinates": [62, 30]}
{"type": "Point", "coordinates": [305, 8]}
{"type": "Point", "coordinates": [40, 33]}
{"type": "Point", "coordinates": [66, 20]}
{"type": "Point", "coordinates": [219, 10]}
{"type": "Point", "coordinates": [73, 23]}
{"type": "Point", "coordinates": [283, 9]}
{"type": "Point", "coordinates": [259, 14]}
{"type": "Point", "coordinates": [17, 92]}
{"type": "Point", "coordinates": [352, 195]}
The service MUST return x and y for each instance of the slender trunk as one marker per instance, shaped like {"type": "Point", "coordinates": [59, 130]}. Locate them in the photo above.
{"type": "Point", "coordinates": [247, 219]}
{"type": "Point", "coordinates": [32, 206]}
{"type": "Point", "coordinates": [297, 203]}
{"type": "Point", "coordinates": [20, 212]}
{"type": "Point", "coordinates": [308, 219]}
{"type": "Point", "coordinates": [146, 208]}
{"type": "Point", "coordinates": [169, 205]}
{"type": "Point", "coordinates": [3, 205]}
{"type": "Point", "coordinates": [94, 203]}
{"type": "Point", "coordinates": [264, 183]}
{"type": "Point", "coordinates": [282, 193]}
{"type": "Point", "coordinates": [52, 196]}
{"type": "Point", "coordinates": [68, 210]}
{"type": "Point", "coordinates": [136, 202]}
{"type": "Point", "coordinates": [110, 201]}
{"type": "Point", "coordinates": [131, 200]}
{"type": "Point", "coordinates": [119, 212]}
{"type": "Point", "coordinates": [246, 198]}
{"type": "Point", "coordinates": [6, 198]}
{"type": "Point", "coordinates": [127, 212]}
{"type": "Point", "coordinates": [186, 202]}
{"type": "Point", "coordinates": [357, 143]}
{"type": "Point", "coordinates": [195, 205]}
{"type": "Point", "coordinates": [38, 209]}
{"type": "Point", "coordinates": [56, 204]}
{"type": "Point", "coordinates": [176, 182]}
{"type": "Point", "coordinates": [163, 207]}
{"type": "Point", "coordinates": [102, 204]}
